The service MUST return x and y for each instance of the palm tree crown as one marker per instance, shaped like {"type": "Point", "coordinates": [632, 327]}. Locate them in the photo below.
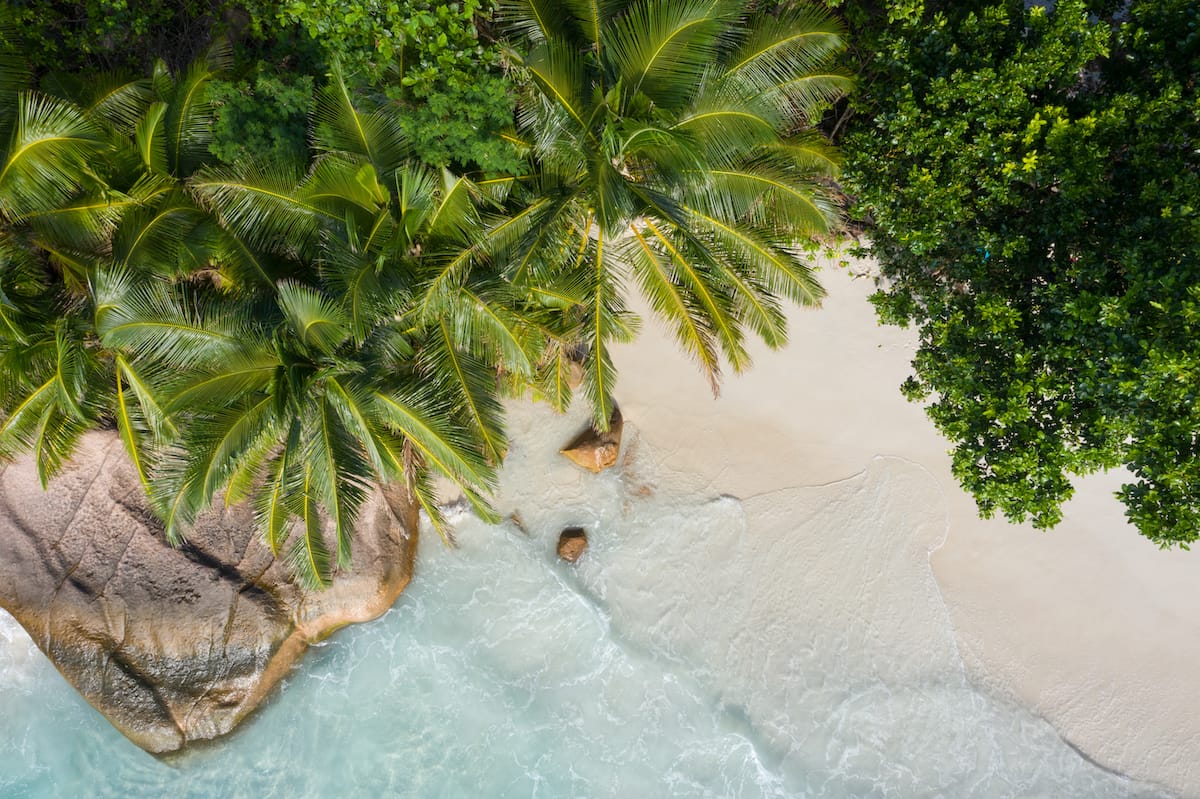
{"type": "Point", "coordinates": [669, 147]}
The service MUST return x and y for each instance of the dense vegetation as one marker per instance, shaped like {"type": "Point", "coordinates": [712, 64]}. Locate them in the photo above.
{"type": "Point", "coordinates": [1031, 177]}
{"type": "Point", "coordinates": [292, 249]}
{"type": "Point", "coordinates": [291, 321]}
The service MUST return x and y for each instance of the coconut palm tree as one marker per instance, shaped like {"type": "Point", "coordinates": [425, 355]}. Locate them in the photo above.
{"type": "Point", "coordinates": [94, 179]}
{"type": "Point", "coordinates": [376, 361]}
{"type": "Point", "coordinates": [252, 329]}
{"type": "Point", "coordinates": [670, 147]}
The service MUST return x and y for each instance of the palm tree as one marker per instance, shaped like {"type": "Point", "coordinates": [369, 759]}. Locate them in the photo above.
{"type": "Point", "coordinates": [379, 360]}
{"type": "Point", "coordinates": [94, 179]}
{"type": "Point", "coordinates": [49, 373]}
{"type": "Point", "coordinates": [275, 332]}
{"type": "Point", "coordinates": [669, 146]}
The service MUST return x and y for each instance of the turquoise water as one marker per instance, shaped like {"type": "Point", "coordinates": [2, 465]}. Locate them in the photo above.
{"type": "Point", "coordinates": [492, 678]}
{"type": "Point", "coordinates": [693, 653]}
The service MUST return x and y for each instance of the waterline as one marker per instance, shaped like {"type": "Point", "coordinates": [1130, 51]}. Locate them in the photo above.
{"type": "Point", "coordinates": [789, 645]}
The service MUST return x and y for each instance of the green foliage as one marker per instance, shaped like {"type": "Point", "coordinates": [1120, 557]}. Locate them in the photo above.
{"type": "Point", "coordinates": [286, 335]}
{"type": "Point", "coordinates": [263, 116]}
{"type": "Point", "coordinates": [113, 34]}
{"type": "Point", "coordinates": [1034, 181]}
{"type": "Point", "coordinates": [425, 56]}
{"type": "Point", "coordinates": [291, 333]}
{"type": "Point", "coordinates": [661, 147]}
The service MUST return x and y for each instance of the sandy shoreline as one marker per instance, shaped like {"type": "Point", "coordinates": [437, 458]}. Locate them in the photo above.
{"type": "Point", "coordinates": [1089, 625]}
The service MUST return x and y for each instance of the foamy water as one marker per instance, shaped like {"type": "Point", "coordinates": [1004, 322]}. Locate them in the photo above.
{"type": "Point", "coordinates": [786, 645]}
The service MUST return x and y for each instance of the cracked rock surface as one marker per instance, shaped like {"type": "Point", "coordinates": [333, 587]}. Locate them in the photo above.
{"type": "Point", "coordinates": [173, 646]}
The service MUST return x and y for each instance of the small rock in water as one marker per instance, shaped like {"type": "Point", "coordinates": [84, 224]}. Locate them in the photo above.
{"type": "Point", "coordinates": [572, 542]}
{"type": "Point", "coordinates": [597, 451]}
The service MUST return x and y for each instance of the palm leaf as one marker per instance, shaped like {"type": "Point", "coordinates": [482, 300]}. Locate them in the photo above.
{"type": "Point", "coordinates": [534, 20]}
{"type": "Point", "coordinates": [309, 557]}
{"type": "Point", "coordinates": [187, 123]}
{"type": "Point", "coordinates": [785, 48]}
{"type": "Point", "coordinates": [241, 373]}
{"type": "Point", "coordinates": [425, 425]}
{"type": "Point", "coordinates": [157, 420]}
{"type": "Point", "coordinates": [271, 504]}
{"type": "Point", "coordinates": [131, 436]}
{"type": "Point", "coordinates": [51, 145]}
{"type": "Point", "coordinates": [661, 49]}
{"type": "Point", "coordinates": [316, 320]}
{"type": "Point", "coordinates": [339, 126]}
{"type": "Point", "coordinates": [780, 269]}
{"type": "Point", "coordinates": [339, 474]}
{"type": "Point", "coordinates": [153, 321]}
{"type": "Point", "coordinates": [668, 299]}
{"type": "Point", "coordinates": [476, 387]}
{"type": "Point", "coordinates": [149, 137]}
{"type": "Point", "coordinates": [259, 204]}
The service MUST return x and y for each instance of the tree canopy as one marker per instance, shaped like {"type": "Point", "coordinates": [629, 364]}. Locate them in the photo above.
{"type": "Point", "coordinates": [1031, 181]}
{"type": "Point", "coordinates": [668, 148]}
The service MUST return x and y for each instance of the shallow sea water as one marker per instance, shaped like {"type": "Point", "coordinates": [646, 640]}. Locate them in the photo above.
{"type": "Point", "coordinates": [792, 645]}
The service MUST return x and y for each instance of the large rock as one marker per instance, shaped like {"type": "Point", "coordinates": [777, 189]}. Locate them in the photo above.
{"type": "Point", "coordinates": [173, 646]}
{"type": "Point", "coordinates": [596, 451]}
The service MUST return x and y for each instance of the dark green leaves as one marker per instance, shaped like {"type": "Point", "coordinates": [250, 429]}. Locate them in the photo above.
{"type": "Point", "coordinates": [1034, 206]}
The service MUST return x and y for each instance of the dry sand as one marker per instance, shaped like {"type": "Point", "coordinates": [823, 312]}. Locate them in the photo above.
{"type": "Point", "coordinates": [1089, 625]}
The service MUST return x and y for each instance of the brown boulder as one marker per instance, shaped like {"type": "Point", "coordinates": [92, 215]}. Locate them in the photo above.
{"type": "Point", "coordinates": [596, 451]}
{"type": "Point", "coordinates": [572, 543]}
{"type": "Point", "coordinates": [173, 646]}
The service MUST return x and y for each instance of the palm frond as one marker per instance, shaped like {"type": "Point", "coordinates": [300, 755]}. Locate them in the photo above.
{"type": "Point", "coordinates": [693, 269]}
{"type": "Point", "coordinates": [607, 320]}
{"type": "Point", "coordinates": [780, 49]}
{"type": "Point", "coordinates": [150, 138]}
{"type": "Point", "coordinates": [534, 20]}
{"type": "Point", "coordinates": [778, 267]}
{"type": "Point", "coordinates": [152, 238]}
{"type": "Point", "coordinates": [151, 320]}
{"type": "Point", "coordinates": [769, 196]}
{"type": "Point", "coordinates": [132, 435]}
{"type": "Point", "coordinates": [309, 556]}
{"type": "Point", "coordinates": [339, 185]}
{"type": "Point", "coordinates": [339, 126]}
{"type": "Point", "coordinates": [660, 286]}
{"type": "Point", "coordinates": [424, 422]}
{"type": "Point", "coordinates": [661, 49]}
{"type": "Point", "coordinates": [315, 319]}
{"type": "Point", "coordinates": [338, 475]}
{"type": "Point", "coordinates": [558, 70]}
{"type": "Point", "coordinates": [244, 372]}
{"type": "Point", "coordinates": [284, 480]}
{"type": "Point", "coordinates": [187, 122]}
{"type": "Point", "coordinates": [158, 422]}
{"type": "Point", "coordinates": [475, 386]}
{"type": "Point", "coordinates": [481, 322]}
{"type": "Point", "coordinates": [52, 142]}
{"type": "Point", "coordinates": [259, 205]}
{"type": "Point", "coordinates": [114, 99]}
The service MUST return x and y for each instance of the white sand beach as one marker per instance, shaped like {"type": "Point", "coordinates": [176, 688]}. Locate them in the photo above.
{"type": "Point", "coordinates": [1089, 625]}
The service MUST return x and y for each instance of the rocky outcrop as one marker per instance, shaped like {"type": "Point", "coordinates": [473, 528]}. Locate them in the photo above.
{"type": "Point", "coordinates": [572, 543]}
{"type": "Point", "coordinates": [596, 451]}
{"type": "Point", "coordinates": [173, 646]}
